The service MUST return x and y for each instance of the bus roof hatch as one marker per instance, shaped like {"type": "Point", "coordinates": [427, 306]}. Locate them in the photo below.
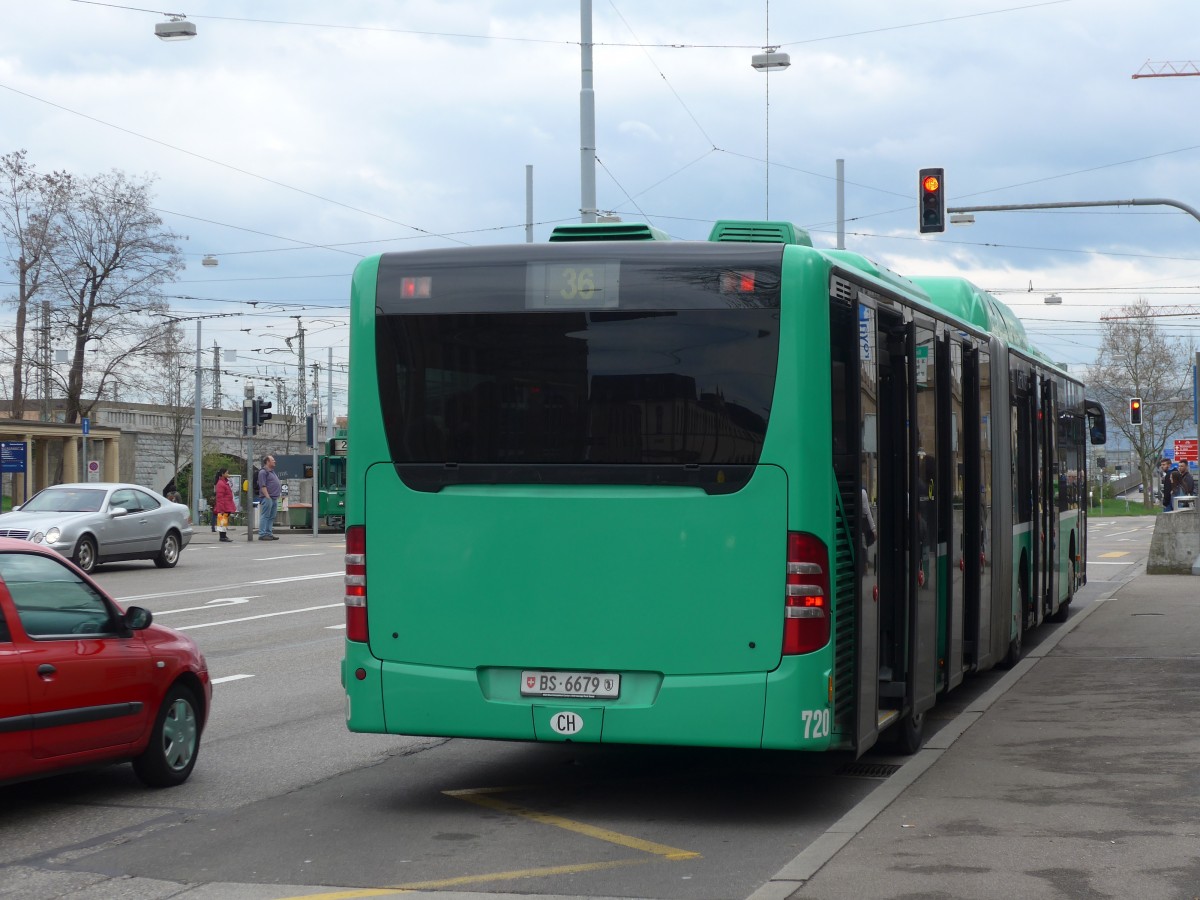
{"type": "Point", "coordinates": [760, 232]}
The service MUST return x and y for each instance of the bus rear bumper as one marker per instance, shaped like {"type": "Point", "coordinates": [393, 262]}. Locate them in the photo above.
{"type": "Point", "coordinates": [732, 710]}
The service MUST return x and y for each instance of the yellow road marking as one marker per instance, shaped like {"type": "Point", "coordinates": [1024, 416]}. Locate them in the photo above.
{"type": "Point", "coordinates": [461, 880]}
{"type": "Point", "coordinates": [522, 873]}
{"type": "Point", "coordinates": [482, 797]}
{"type": "Point", "coordinates": [349, 895]}
{"type": "Point", "coordinates": [1113, 554]}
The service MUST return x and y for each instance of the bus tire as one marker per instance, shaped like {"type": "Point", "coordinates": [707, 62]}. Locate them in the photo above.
{"type": "Point", "coordinates": [1064, 608]}
{"type": "Point", "coordinates": [1013, 656]}
{"type": "Point", "coordinates": [910, 734]}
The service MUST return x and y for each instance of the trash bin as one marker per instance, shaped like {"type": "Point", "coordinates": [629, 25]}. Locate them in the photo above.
{"type": "Point", "coordinates": [300, 515]}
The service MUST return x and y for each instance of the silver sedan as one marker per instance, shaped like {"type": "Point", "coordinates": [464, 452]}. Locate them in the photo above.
{"type": "Point", "coordinates": [98, 522]}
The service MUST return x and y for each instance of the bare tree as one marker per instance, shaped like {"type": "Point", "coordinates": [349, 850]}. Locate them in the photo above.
{"type": "Point", "coordinates": [167, 378]}
{"type": "Point", "coordinates": [29, 205]}
{"type": "Point", "coordinates": [285, 411]}
{"type": "Point", "coordinates": [1137, 360]}
{"type": "Point", "coordinates": [112, 256]}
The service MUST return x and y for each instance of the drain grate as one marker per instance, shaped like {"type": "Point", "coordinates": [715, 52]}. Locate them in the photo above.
{"type": "Point", "coordinates": [869, 770]}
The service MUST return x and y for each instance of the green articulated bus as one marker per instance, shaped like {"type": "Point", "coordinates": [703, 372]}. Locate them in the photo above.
{"type": "Point", "coordinates": [741, 492]}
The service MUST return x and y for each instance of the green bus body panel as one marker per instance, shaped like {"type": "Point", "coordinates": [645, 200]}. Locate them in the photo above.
{"type": "Point", "coordinates": [578, 578]}
{"type": "Point", "coordinates": [364, 696]}
{"type": "Point", "coordinates": [667, 586]}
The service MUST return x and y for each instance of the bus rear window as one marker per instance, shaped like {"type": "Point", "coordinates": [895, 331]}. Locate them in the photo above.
{"type": "Point", "coordinates": [639, 397]}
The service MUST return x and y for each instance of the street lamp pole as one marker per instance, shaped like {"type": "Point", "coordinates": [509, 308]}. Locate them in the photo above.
{"type": "Point", "coordinates": [197, 468]}
{"type": "Point", "coordinates": [587, 118]}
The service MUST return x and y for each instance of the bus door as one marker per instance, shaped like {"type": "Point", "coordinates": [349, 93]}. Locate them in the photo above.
{"type": "Point", "coordinates": [1048, 476]}
{"type": "Point", "coordinates": [863, 491]}
{"type": "Point", "coordinates": [976, 462]}
{"type": "Point", "coordinates": [907, 582]}
{"type": "Point", "coordinates": [951, 511]}
{"type": "Point", "coordinates": [1026, 520]}
{"type": "Point", "coordinates": [924, 447]}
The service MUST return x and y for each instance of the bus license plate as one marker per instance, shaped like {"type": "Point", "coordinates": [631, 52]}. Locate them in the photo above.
{"type": "Point", "coordinates": [570, 684]}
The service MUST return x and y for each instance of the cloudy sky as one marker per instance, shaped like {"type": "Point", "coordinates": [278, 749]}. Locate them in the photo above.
{"type": "Point", "coordinates": [290, 139]}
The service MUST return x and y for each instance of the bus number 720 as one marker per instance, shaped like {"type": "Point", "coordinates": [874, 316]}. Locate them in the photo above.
{"type": "Point", "coordinates": [816, 723]}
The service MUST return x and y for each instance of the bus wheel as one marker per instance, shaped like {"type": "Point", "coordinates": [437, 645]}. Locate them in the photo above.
{"type": "Point", "coordinates": [1064, 609]}
{"type": "Point", "coordinates": [1013, 656]}
{"type": "Point", "coordinates": [910, 733]}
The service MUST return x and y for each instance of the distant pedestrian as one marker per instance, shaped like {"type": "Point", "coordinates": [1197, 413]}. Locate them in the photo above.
{"type": "Point", "coordinates": [212, 522]}
{"type": "Point", "coordinates": [1176, 482]}
{"type": "Point", "coordinates": [1187, 481]}
{"type": "Point", "coordinates": [223, 505]}
{"type": "Point", "coordinates": [1168, 483]}
{"type": "Point", "coordinates": [269, 488]}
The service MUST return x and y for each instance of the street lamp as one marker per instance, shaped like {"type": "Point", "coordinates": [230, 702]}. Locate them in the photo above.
{"type": "Point", "coordinates": [770, 59]}
{"type": "Point", "coordinates": [177, 29]}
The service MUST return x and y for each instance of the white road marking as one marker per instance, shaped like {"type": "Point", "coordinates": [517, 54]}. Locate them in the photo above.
{"type": "Point", "coordinates": [340, 573]}
{"type": "Point", "coordinates": [230, 678]}
{"type": "Point", "coordinates": [286, 612]}
{"type": "Point", "coordinates": [336, 627]}
{"type": "Point", "coordinates": [289, 556]}
{"type": "Point", "coordinates": [211, 604]}
{"type": "Point", "coordinates": [230, 587]}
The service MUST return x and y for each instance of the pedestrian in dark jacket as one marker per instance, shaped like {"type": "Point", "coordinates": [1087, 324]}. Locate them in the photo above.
{"type": "Point", "coordinates": [1167, 474]}
{"type": "Point", "coordinates": [1187, 483]}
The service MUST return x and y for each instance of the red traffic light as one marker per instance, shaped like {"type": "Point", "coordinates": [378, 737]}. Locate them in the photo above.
{"type": "Point", "coordinates": [931, 200]}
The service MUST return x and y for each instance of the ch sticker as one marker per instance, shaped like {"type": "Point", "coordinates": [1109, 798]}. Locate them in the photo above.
{"type": "Point", "coordinates": [566, 723]}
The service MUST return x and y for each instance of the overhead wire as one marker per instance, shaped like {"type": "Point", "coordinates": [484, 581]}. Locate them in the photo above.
{"type": "Point", "coordinates": [631, 198]}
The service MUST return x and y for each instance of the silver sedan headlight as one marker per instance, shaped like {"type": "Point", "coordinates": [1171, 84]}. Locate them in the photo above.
{"type": "Point", "coordinates": [37, 537]}
{"type": "Point", "coordinates": [53, 535]}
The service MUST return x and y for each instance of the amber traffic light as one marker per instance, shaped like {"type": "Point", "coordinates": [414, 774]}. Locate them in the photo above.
{"type": "Point", "coordinates": [931, 200]}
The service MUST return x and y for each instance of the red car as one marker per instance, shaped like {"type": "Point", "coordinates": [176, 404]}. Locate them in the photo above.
{"type": "Point", "coordinates": [83, 682]}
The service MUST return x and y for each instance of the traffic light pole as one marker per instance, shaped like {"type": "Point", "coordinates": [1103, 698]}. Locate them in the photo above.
{"type": "Point", "coordinates": [1078, 204]}
{"type": "Point", "coordinates": [249, 428]}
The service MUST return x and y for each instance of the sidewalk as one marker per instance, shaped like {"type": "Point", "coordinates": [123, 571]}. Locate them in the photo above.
{"type": "Point", "coordinates": [201, 534]}
{"type": "Point", "coordinates": [1076, 776]}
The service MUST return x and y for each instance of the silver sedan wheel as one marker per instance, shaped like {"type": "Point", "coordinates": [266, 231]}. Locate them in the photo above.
{"type": "Point", "coordinates": [169, 554]}
{"type": "Point", "coordinates": [85, 554]}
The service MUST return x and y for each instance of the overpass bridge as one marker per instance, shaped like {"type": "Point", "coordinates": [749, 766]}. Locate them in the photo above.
{"type": "Point", "coordinates": [137, 442]}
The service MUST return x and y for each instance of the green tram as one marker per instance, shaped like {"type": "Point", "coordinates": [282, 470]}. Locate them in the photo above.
{"type": "Point", "coordinates": [331, 482]}
{"type": "Point", "coordinates": [329, 486]}
{"type": "Point", "coordinates": [741, 492]}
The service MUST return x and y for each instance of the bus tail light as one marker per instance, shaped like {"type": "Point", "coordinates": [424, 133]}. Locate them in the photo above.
{"type": "Point", "coordinates": [806, 601]}
{"type": "Point", "coordinates": [356, 583]}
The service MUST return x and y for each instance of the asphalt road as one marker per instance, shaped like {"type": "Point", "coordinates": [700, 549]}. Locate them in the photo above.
{"type": "Point", "coordinates": [284, 795]}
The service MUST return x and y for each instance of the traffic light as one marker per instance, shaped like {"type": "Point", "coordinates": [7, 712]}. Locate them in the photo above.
{"type": "Point", "coordinates": [931, 199]}
{"type": "Point", "coordinates": [260, 411]}
{"type": "Point", "coordinates": [1135, 410]}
